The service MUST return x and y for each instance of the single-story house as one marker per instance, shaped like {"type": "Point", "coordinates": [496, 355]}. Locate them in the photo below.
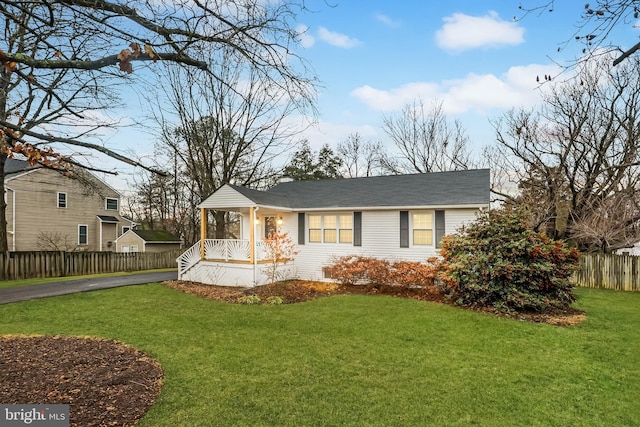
{"type": "Point", "coordinates": [631, 250]}
{"type": "Point", "coordinates": [147, 241]}
{"type": "Point", "coordinates": [399, 217]}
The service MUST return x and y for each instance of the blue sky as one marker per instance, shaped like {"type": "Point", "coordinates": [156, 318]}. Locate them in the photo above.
{"type": "Point", "coordinates": [375, 56]}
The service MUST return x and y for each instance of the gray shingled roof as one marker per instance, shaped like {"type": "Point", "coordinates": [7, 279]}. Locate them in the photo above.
{"type": "Point", "coordinates": [262, 197]}
{"type": "Point", "coordinates": [12, 166]}
{"type": "Point", "coordinates": [156, 236]}
{"type": "Point", "coordinates": [108, 219]}
{"type": "Point", "coordinates": [470, 187]}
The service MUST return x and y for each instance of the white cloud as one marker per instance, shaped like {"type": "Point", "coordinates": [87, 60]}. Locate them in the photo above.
{"type": "Point", "coordinates": [474, 92]}
{"type": "Point", "coordinates": [337, 39]}
{"type": "Point", "coordinates": [394, 99]}
{"type": "Point", "coordinates": [306, 39]}
{"type": "Point", "coordinates": [386, 20]}
{"type": "Point", "coordinates": [462, 32]}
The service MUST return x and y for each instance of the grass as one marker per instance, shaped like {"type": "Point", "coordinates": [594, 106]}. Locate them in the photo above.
{"type": "Point", "coordinates": [359, 360]}
{"type": "Point", "coordinates": [29, 282]}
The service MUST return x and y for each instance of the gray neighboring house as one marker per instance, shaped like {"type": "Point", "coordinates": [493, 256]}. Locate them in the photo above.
{"type": "Point", "coordinates": [49, 211]}
{"type": "Point", "coordinates": [399, 217]}
{"type": "Point", "coordinates": [147, 241]}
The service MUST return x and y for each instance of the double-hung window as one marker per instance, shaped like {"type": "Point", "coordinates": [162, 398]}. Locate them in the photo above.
{"type": "Point", "coordinates": [62, 200]}
{"type": "Point", "coordinates": [335, 228]}
{"type": "Point", "coordinates": [83, 234]}
{"type": "Point", "coordinates": [112, 204]}
{"type": "Point", "coordinates": [422, 224]}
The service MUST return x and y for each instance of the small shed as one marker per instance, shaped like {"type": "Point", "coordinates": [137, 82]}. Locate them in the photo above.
{"type": "Point", "coordinates": [147, 241]}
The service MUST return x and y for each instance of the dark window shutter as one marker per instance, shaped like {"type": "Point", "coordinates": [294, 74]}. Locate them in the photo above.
{"type": "Point", "coordinates": [439, 227]}
{"type": "Point", "coordinates": [404, 229]}
{"type": "Point", "coordinates": [301, 228]}
{"type": "Point", "coordinates": [357, 229]}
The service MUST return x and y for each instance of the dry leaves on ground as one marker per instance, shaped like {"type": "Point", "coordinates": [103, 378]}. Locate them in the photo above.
{"type": "Point", "coordinates": [106, 383]}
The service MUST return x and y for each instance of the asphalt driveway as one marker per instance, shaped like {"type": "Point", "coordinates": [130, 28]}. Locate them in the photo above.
{"type": "Point", "coordinates": [24, 293]}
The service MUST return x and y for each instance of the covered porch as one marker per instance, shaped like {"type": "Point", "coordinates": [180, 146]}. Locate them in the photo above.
{"type": "Point", "coordinates": [231, 262]}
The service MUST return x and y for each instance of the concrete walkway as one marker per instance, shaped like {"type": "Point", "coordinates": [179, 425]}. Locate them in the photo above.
{"type": "Point", "coordinates": [24, 293]}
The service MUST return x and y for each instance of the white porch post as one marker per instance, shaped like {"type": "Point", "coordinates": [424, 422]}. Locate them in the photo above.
{"type": "Point", "coordinates": [203, 230]}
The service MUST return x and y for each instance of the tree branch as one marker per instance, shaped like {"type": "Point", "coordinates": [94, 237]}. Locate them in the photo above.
{"type": "Point", "coordinates": [97, 64]}
{"type": "Point", "coordinates": [75, 142]}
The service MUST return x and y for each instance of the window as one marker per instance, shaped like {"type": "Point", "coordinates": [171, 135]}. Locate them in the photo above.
{"type": "Point", "coordinates": [83, 234]}
{"type": "Point", "coordinates": [315, 228]}
{"type": "Point", "coordinates": [422, 228]}
{"type": "Point", "coordinates": [331, 228]}
{"type": "Point", "coordinates": [124, 249]}
{"type": "Point", "coordinates": [125, 229]}
{"type": "Point", "coordinates": [62, 200]}
{"type": "Point", "coordinates": [134, 248]}
{"type": "Point", "coordinates": [112, 204]}
{"type": "Point", "coordinates": [346, 228]}
{"type": "Point", "coordinates": [269, 226]}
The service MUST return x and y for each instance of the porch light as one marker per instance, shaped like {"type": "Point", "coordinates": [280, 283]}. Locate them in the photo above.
{"type": "Point", "coordinates": [279, 221]}
{"type": "Point", "coordinates": [256, 221]}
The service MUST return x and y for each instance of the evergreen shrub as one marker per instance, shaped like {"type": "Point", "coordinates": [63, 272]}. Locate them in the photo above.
{"type": "Point", "coordinates": [499, 262]}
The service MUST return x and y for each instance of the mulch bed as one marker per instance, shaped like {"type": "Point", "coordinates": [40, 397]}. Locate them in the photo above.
{"type": "Point", "coordinates": [295, 291]}
{"type": "Point", "coordinates": [106, 383]}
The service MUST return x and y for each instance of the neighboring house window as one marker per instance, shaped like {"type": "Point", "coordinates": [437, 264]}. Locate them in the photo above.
{"type": "Point", "coordinates": [124, 249]}
{"type": "Point", "coordinates": [422, 228]}
{"type": "Point", "coordinates": [83, 234]}
{"type": "Point", "coordinates": [134, 248]}
{"type": "Point", "coordinates": [112, 204]}
{"type": "Point", "coordinates": [62, 200]}
{"type": "Point", "coordinates": [331, 228]}
{"type": "Point", "coordinates": [125, 229]}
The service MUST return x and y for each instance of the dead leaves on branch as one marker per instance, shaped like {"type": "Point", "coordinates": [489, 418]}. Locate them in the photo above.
{"type": "Point", "coordinates": [11, 144]}
{"type": "Point", "coordinates": [9, 65]}
{"type": "Point", "coordinates": [124, 58]}
{"type": "Point", "coordinates": [127, 55]}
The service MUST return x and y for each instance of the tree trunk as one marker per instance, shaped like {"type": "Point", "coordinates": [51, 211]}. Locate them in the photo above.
{"type": "Point", "coordinates": [219, 217]}
{"type": "Point", "coordinates": [4, 243]}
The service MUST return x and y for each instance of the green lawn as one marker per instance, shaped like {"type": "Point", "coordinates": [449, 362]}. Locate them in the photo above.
{"type": "Point", "coordinates": [362, 360]}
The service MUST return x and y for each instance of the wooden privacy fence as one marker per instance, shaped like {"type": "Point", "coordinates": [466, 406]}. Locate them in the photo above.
{"type": "Point", "coordinates": [41, 264]}
{"type": "Point", "coordinates": [609, 271]}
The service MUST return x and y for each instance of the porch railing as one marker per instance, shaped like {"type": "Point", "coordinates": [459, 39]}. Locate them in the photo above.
{"type": "Point", "coordinates": [221, 250]}
{"type": "Point", "coordinates": [188, 259]}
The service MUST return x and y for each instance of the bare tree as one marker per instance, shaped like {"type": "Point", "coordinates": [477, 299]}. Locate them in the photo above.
{"type": "Point", "coordinates": [610, 225]}
{"type": "Point", "coordinates": [426, 140]}
{"type": "Point", "coordinates": [359, 157]}
{"type": "Point", "coordinates": [596, 21]}
{"type": "Point", "coordinates": [227, 128]}
{"type": "Point", "coordinates": [578, 152]}
{"type": "Point", "coordinates": [59, 60]}
{"type": "Point", "coordinates": [52, 241]}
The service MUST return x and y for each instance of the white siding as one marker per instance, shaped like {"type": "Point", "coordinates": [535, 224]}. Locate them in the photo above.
{"type": "Point", "coordinates": [380, 239]}
{"type": "Point", "coordinates": [221, 274]}
{"type": "Point", "coordinates": [633, 250]}
{"type": "Point", "coordinates": [226, 197]}
{"type": "Point", "coordinates": [455, 218]}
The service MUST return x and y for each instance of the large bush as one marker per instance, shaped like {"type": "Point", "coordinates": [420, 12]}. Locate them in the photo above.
{"type": "Point", "coordinates": [498, 262]}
